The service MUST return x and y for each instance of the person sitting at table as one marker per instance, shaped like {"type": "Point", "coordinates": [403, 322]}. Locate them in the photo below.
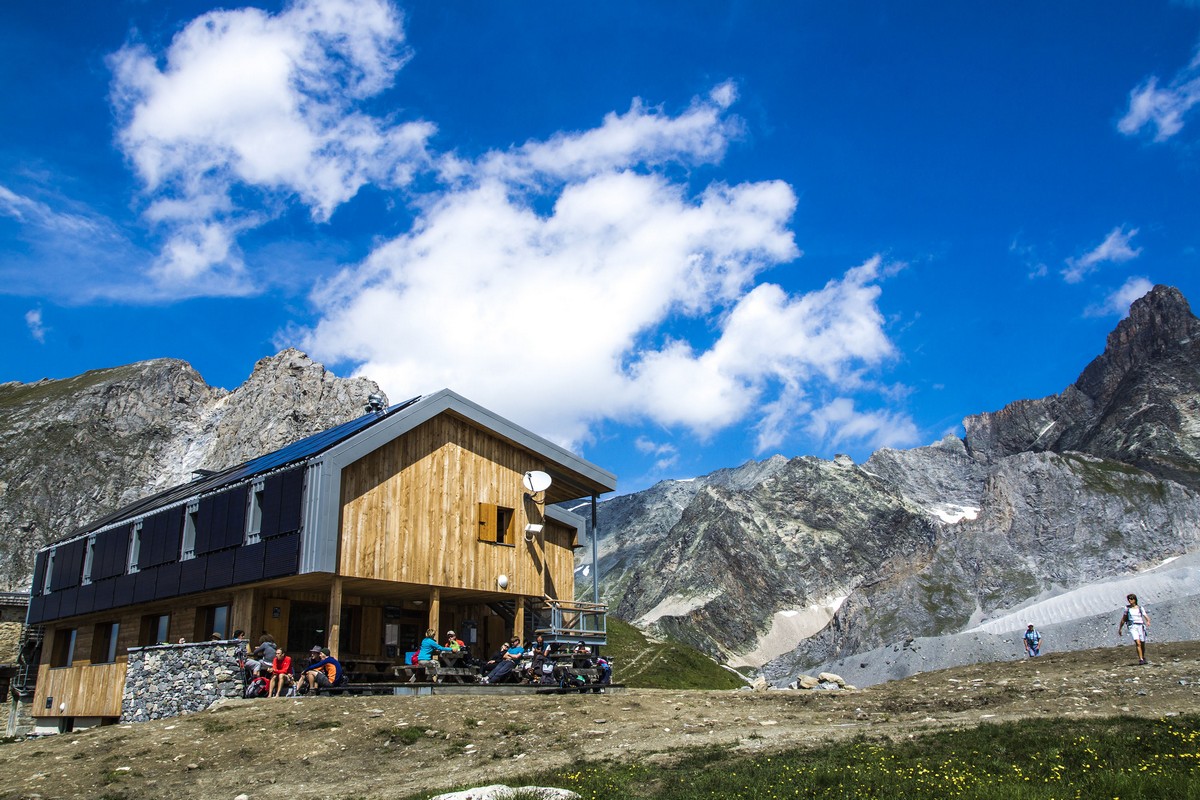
{"type": "Point", "coordinates": [453, 642]}
{"type": "Point", "coordinates": [429, 646]}
{"type": "Point", "coordinates": [281, 674]}
{"type": "Point", "coordinates": [507, 663]}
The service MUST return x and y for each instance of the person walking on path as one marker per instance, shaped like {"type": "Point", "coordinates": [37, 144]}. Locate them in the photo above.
{"type": "Point", "coordinates": [1139, 625]}
{"type": "Point", "coordinates": [1033, 642]}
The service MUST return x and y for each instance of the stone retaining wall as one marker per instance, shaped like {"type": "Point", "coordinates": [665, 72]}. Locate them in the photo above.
{"type": "Point", "coordinates": [172, 679]}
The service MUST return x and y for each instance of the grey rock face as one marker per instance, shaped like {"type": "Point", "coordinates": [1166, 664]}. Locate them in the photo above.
{"type": "Point", "coordinates": [72, 450]}
{"type": "Point", "coordinates": [1040, 497]}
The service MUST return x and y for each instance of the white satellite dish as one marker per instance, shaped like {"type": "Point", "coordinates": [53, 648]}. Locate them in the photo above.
{"type": "Point", "coordinates": [536, 482]}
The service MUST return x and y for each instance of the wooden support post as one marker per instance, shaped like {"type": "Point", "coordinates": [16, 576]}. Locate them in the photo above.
{"type": "Point", "coordinates": [241, 615]}
{"type": "Point", "coordinates": [435, 612]}
{"type": "Point", "coordinates": [335, 616]}
{"type": "Point", "coordinates": [519, 620]}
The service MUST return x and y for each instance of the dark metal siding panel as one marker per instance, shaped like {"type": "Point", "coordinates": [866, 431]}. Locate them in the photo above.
{"type": "Point", "coordinates": [283, 556]}
{"type": "Point", "coordinates": [160, 538]}
{"type": "Point", "coordinates": [205, 515]}
{"type": "Point", "coordinates": [68, 565]}
{"type": "Point", "coordinates": [271, 496]}
{"type": "Point", "coordinates": [168, 582]}
{"type": "Point", "coordinates": [173, 538]}
{"type": "Point", "coordinates": [66, 601]}
{"type": "Point", "coordinates": [123, 590]}
{"type": "Point", "coordinates": [85, 599]}
{"type": "Point", "coordinates": [191, 574]}
{"type": "Point", "coordinates": [248, 564]}
{"type": "Point", "coordinates": [149, 542]}
{"type": "Point", "coordinates": [50, 607]}
{"type": "Point", "coordinates": [235, 519]}
{"type": "Point", "coordinates": [291, 504]}
{"type": "Point", "coordinates": [220, 570]}
{"type": "Point", "coordinates": [39, 573]}
{"type": "Point", "coordinates": [111, 555]}
{"type": "Point", "coordinates": [103, 595]}
{"type": "Point", "coordinates": [36, 606]}
{"type": "Point", "coordinates": [144, 587]}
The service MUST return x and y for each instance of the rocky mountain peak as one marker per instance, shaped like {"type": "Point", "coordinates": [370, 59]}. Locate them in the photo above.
{"type": "Point", "coordinates": [74, 449]}
{"type": "Point", "coordinates": [1160, 326]}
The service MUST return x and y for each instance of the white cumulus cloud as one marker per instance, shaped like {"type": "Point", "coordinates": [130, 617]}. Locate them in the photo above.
{"type": "Point", "coordinates": [243, 100]}
{"type": "Point", "coordinates": [1118, 303]}
{"type": "Point", "coordinates": [37, 328]}
{"type": "Point", "coordinates": [839, 422]}
{"type": "Point", "coordinates": [1115, 249]}
{"type": "Point", "coordinates": [1163, 107]}
{"type": "Point", "coordinates": [628, 296]}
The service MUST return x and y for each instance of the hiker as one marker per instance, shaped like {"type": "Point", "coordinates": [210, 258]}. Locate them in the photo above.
{"type": "Point", "coordinates": [429, 646]}
{"type": "Point", "coordinates": [1033, 642]}
{"type": "Point", "coordinates": [507, 663]}
{"type": "Point", "coordinates": [1139, 625]}
{"type": "Point", "coordinates": [263, 654]}
{"type": "Point", "coordinates": [322, 674]}
{"type": "Point", "coordinates": [281, 674]}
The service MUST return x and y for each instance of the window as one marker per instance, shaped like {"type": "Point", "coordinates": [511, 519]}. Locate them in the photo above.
{"type": "Point", "coordinates": [210, 620]}
{"type": "Point", "coordinates": [254, 513]}
{"type": "Point", "coordinates": [155, 629]}
{"type": "Point", "coordinates": [88, 558]}
{"type": "Point", "coordinates": [188, 548]}
{"type": "Point", "coordinates": [495, 524]}
{"type": "Point", "coordinates": [62, 653]}
{"type": "Point", "coordinates": [135, 547]}
{"type": "Point", "coordinates": [49, 571]}
{"type": "Point", "coordinates": [104, 642]}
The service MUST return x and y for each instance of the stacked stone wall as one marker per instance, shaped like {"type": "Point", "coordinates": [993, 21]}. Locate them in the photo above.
{"type": "Point", "coordinates": [169, 680]}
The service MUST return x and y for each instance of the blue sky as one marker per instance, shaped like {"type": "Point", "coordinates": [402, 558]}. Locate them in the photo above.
{"type": "Point", "coordinates": [673, 236]}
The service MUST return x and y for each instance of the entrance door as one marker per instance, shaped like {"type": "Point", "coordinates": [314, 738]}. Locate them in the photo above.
{"type": "Point", "coordinates": [306, 627]}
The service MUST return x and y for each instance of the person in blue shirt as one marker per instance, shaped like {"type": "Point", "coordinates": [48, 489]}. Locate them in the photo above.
{"type": "Point", "coordinates": [1033, 642]}
{"type": "Point", "coordinates": [428, 647]}
{"type": "Point", "coordinates": [322, 673]}
{"type": "Point", "coordinates": [507, 663]}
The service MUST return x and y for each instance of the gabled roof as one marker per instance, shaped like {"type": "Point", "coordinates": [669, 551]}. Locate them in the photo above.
{"type": "Point", "coordinates": [297, 451]}
{"type": "Point", "coordinates": [343, 444]}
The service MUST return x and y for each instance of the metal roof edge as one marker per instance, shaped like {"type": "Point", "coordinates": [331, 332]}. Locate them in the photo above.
{"type": "Point", "coordinates": [429, 406]}
{"type": "Point", "coordinates": [564, 517]}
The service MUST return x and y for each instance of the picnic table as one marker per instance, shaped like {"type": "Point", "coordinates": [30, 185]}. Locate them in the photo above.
{"type": "Point", "coordinates": [450, 667]}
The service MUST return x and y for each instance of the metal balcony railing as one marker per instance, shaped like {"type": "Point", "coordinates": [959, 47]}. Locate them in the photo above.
{"type": "Point", "coordinates": [573, 621]}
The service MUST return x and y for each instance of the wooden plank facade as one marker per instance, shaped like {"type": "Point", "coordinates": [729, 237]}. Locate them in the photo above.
{"type": "Point", "coordinates": [357, 538]}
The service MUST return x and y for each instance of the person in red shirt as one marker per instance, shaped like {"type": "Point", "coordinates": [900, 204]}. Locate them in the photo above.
{"type": "Point", "coordinates": [281, 674]}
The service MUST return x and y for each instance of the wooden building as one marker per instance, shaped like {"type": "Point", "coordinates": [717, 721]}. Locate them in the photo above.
{"type": "Point", "coordinates": [356, 538]}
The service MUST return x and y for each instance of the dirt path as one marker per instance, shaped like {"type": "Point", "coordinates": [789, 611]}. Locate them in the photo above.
{"type": "Point", "coordinates": [367, 748]}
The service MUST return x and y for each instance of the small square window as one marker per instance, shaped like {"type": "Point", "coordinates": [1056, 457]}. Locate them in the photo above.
{"type": "Point", "coordinates": [495, 524]}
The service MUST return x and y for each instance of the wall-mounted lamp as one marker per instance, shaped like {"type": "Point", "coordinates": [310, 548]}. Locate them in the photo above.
{"type": "Point", "coordinates": [532, 530]}
{"type": "Point", "coordinates": [502, 581]}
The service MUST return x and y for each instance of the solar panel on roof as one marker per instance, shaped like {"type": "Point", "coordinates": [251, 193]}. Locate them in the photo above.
{"type": "Point", "coordinates": [297, 451]}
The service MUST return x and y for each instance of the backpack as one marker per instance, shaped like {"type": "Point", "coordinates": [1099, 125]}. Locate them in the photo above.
{"type": "Point", "coordinates": [256, 688]}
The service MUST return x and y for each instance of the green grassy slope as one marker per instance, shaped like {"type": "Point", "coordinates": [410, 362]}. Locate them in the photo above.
{"type": "Point", "coordinates": [639, 662]}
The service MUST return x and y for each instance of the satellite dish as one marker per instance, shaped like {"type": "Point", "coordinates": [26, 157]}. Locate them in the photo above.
{"type": "Point", "coordinates": [536, 481]}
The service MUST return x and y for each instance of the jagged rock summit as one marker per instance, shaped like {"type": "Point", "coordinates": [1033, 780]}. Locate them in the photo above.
{"type": "Point", "coordinates": [74, 449]}
{"type": "Point", "coordinates": [789, 565]}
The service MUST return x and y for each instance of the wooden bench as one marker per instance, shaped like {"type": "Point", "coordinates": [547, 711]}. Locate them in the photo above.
{"type": "Point", "coordinates": [436, 673]}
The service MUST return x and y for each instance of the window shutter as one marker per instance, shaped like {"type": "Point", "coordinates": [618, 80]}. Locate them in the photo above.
{"type": "Point", "coordinates": [487, 522]}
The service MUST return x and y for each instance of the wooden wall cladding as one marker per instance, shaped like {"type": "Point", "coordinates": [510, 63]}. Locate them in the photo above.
{"type": "Point", "coordinates": [85, 691]}
{"type": "Point", "coordinates": [410, 512]}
